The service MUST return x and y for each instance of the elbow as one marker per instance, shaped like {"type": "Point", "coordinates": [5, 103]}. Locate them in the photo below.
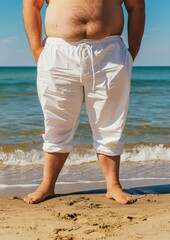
{"type": "Point", "coordinates": [26, 5]}
{"type": "Point", "coordinates": [139, 7]}
{"type": "Point", "coordinates": [138, 10]}
{"type": "Point", "coordinates": [32, 4]}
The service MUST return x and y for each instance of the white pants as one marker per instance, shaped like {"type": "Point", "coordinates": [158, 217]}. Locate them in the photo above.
{"type": "Point", "coordinates": [96, 72]}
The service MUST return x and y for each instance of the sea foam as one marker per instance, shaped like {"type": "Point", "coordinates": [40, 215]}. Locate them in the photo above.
{"type": "Point", "coordinates": [140, 153]}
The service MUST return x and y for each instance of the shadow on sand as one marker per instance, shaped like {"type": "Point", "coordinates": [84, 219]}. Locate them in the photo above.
{"type": "Point", "coordinates": [157, 189]}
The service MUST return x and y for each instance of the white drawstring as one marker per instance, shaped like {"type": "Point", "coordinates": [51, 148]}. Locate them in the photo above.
{"type": "Point", "coordinates": [86, 46]}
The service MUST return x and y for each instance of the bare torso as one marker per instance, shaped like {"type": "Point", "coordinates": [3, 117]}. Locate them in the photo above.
{"type": "Point", "coordinates": [73, 20]}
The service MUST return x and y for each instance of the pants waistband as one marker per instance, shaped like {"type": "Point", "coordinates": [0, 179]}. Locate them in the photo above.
{"type": "Point", "coordinates": [54, 40]}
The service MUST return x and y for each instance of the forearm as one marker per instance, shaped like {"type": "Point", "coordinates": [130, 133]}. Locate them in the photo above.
{"type": "Point", "coordinates": [136, 22]}
{"type": "Point", "coordinates": [32, 23]}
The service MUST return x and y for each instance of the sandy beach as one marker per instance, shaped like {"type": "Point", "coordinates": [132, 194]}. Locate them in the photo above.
{"type": "Point", "coordinates": [79, 210]}
{"type": "Point", "coordinates": [85, 216]}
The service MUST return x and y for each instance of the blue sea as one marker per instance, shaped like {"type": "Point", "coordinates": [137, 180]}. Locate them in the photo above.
{"type": "Point", "coordinates": [147, 132]}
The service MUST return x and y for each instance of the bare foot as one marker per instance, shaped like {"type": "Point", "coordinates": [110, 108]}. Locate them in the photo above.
{"type": "Point", "coordinates": [120, 196]}
{"type": "Point", "coordinates": [39, 195]}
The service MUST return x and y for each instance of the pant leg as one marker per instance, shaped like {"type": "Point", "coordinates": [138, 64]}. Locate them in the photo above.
{"type": "Point", "coordinates": [61, 97]}
{"type": "Point", "coordinates": [107, 104]}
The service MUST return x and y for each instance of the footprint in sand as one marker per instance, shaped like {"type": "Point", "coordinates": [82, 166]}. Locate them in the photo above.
{"type": "Point", "coordinates": [78, 200]}
{"type": "Point", "coordinates": [71, 216]}
{"type": "Point", "coordinates": [94, 205]}
{"type": "Point", "coordinates": [68, 237]}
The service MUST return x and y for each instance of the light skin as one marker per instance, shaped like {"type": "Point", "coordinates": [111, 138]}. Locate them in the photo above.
{"type": "Point", "coordinates": [74, 20]}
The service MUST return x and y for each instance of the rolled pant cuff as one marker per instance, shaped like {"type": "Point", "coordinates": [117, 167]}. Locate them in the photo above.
{"type": "Point", "coordinates": [54, 149]}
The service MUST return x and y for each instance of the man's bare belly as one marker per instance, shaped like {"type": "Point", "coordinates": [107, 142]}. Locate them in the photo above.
{"type": "Point", "coordinates": [74, 20]}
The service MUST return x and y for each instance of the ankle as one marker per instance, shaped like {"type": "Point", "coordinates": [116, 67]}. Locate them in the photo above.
{"type": "Point", "coordinates": [47, 186]}
{"type": "Point", "coordinates": [113, 187]}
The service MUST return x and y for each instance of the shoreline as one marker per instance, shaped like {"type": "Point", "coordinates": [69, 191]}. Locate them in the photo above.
{"type": "Point", "coordinates": [21, 180]}
{"type": "Point", "coordinates": [145, 186]}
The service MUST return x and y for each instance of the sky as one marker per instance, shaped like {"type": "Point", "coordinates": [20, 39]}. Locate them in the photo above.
{"type": "Point", "coordinates": [155, 48]}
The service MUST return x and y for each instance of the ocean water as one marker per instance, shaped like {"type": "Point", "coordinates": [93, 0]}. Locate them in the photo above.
{"type": "Point", "coordinates": [147, 131]}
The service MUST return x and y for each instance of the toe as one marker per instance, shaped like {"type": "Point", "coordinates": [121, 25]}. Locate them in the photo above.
{"type": "Point", "coordinates": [25, 199]}
{"type": "Point", "coordinates": [131, 199]}
{"type": "Point", "coordinates": [28, 199]}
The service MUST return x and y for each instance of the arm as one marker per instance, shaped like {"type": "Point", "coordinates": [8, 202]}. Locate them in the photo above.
{"type": "Point", "coordinates": [33, 25]}
{"type": "Point", "coordinates": [136, 22]}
